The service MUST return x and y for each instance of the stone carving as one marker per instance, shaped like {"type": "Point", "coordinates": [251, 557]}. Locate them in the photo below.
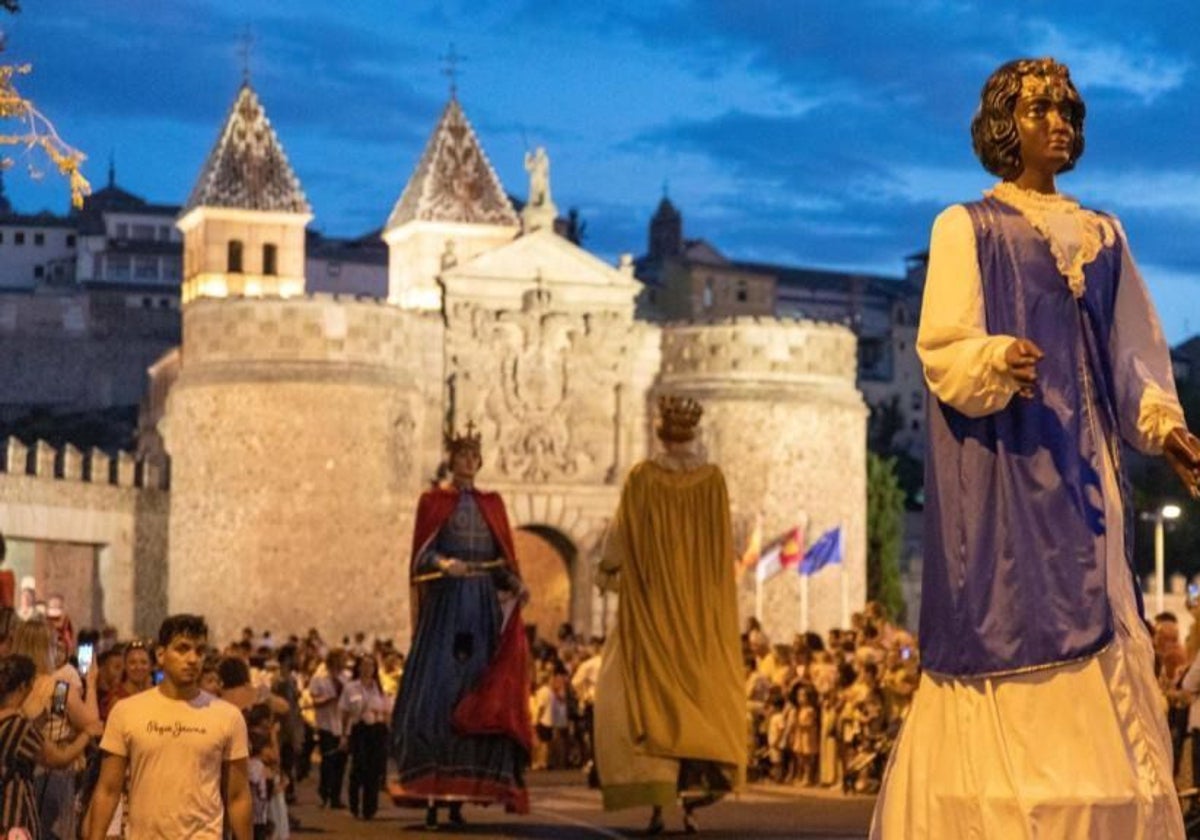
{"type": "Point", "coordinates": [542, 384]}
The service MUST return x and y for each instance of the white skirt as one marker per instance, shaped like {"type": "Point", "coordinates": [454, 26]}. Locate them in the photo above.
{"type": "Point", "coordinates": [1077, 751]}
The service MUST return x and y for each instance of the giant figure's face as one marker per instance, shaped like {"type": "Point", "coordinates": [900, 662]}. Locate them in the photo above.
{"type": "Point", "coordinates": [1043, 114]}
{"type": "Point", "coordinates": [465, 463]}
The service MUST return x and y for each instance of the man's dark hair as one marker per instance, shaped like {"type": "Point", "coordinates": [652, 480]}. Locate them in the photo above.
{"type": "Point", "coordinates": [183, 624]}
{"type": "Point", "coordinates": [233, 672]}
{"type": "Point", "coordinates": [994, 126]}
{"type": "Point", "coordinates": [286, 656]}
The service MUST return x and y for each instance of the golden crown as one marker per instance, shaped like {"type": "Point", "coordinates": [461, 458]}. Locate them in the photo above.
{"type": "Point", "coordinates": [470, 439]}
{"type": "Point", "coordinates": [678, 418]}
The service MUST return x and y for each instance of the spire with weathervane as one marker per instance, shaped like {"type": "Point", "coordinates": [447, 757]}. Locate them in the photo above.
{"type": "Point", "coordinates": [244, 222]}
{"type": "Point", "coordinates": [454, 202]}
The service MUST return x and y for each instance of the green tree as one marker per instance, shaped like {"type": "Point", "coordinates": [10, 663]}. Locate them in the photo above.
{"type": "Point", "coordinates": [885, 535]}
{"type": "Point", "coordinates": [1154, 485]}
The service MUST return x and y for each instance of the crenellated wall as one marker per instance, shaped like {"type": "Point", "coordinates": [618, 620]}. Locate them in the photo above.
{"type": "Point", "coordinates": [119, 505]}
{"type": "Point", "coordinates": [787, 425]}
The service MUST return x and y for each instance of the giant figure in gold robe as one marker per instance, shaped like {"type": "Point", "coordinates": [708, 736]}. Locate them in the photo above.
{"type": "Point", "coordinates": [670, 715]}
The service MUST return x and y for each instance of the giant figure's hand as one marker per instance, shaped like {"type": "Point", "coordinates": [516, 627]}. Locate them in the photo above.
{"type": "Point", "coordinates": [452, 566]}
{"type": "Point", "coordinates": [1182, 450]}
{"type": "Point", "coordinates": [1022, 357]}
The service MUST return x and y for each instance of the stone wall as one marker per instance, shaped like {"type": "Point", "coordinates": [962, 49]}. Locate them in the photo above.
{"type": "Point", "coordinates": [298, 430]}
{"type": "Point", "coordinates": [119, 506]}
{"type": "Point", "coordinates": [788, 427]}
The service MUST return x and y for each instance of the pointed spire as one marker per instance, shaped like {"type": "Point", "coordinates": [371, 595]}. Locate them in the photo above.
{"type": "Point", "coordinates": [247, 168]}
{"type": "Point", "coordinates": [453, 181]}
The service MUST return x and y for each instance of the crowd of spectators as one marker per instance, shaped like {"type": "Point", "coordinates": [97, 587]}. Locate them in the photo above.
{"type": "Point", "coordinates": [819, 711]}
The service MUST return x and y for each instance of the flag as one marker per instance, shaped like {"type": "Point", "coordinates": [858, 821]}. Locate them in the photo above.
{"type": "Point", "coordinates": [826, 550]}
{"type": "Point", "coordinates": [793, 548]}
{"type": "Point", "coordinates": [749, 559]}
{"type": "Point", "coordinates": [769, 564]}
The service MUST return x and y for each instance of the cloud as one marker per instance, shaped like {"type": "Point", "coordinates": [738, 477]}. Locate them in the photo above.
{"type": "Point", "coordinates": [1141, 69]}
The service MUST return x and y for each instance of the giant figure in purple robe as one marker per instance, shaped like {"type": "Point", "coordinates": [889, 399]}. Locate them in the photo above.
{"type": "Point", "coordinates": [1038, 713]}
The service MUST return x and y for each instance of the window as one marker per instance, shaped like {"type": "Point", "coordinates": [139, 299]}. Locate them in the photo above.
{"type": "Point", "coordinates": [39, 239]}
{"type": "Point", "coordinates": [70, 240]}
{"type": "Point", "coordinates": [1, 237]}
{"type": "Point", "coordinates": [118, 267]}
{"type": "Point", "coordinates": [39, 272]}
{"type": "Point", "coordinates": [170, 268]}
{"type": "Point", "coordinates": [708, 292]}
{"type": "Point", "coordinates": [19, 237]}
{"type": "Point", "coordinates": [145, 268]}
{"type": "Point", "coordinates": [122, 231]}
{"type": "Point", "coordinates": [269, 260]}
{"type": "Point", "coordinates": [743, 292]}
{"type": "Point", "coordinates": [234, 257]}
{"type": "Point", "coordinates": [164, 233]}
{"type": "Point", "coordinates": [917, 400]}
{"type": "Point", "coordinates": [143, 232]}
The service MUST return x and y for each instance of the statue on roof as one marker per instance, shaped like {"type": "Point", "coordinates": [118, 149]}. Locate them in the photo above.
{"type": "Point", "coordinates": [540, 211]}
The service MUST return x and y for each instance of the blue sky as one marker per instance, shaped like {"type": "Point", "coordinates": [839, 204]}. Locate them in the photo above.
{"type": "Point", "coordinates": [824, 134]}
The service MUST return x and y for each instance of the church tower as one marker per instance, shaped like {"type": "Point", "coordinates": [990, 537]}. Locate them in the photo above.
{"type": "Point", "coordinates": [243, 225]}
{"type": "Point", "coordinates": [666, 231]}
{"type": "Point", "coordinates": [453, 209]}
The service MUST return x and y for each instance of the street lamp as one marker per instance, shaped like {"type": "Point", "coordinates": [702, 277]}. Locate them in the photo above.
{"type": "Point", "coordinates": [1160, 516]}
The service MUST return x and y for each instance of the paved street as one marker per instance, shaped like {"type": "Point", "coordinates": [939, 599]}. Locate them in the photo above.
{"type": "Point", "coordinates": [562, 807]}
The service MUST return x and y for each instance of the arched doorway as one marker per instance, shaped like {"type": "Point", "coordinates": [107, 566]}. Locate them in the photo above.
{"type": "Point", "coordinates": [546, 558]}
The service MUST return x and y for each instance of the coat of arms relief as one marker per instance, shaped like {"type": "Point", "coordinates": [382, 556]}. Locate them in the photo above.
{"type": "Point", "coordinates": [542, 385]}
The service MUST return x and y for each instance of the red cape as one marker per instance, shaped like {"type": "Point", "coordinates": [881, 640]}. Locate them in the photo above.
{"type": "Point", "coordinates": [499, 703]}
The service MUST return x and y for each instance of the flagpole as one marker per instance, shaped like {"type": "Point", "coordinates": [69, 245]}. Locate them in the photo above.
{"type": "Point", "coordinates": [758, 595]}
{"type": "Point", "coordinates": [845, 595]}
{"type": "Point", "coordinates": [804, 603]}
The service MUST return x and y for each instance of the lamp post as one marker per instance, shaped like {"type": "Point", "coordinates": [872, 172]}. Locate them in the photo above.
{"type": "Point", "coordinates": [1160, 516]}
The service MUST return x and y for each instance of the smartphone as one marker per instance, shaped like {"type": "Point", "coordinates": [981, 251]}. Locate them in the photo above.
{"type": "Point", "coordinates": [905, 652]}
{"type": "Point", "coordinates": [85, 652]}
{"type": "Point", "coordinates": [157, 676]}
{"type": "Point", "coordinates": [1193, 594]}
{"type": "Point", "coordinates": [58, 700]}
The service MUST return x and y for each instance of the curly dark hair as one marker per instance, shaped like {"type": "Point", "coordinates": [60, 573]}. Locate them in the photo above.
{"type": "Point", "coordinates": [16, 671]}
{"type": "Point", "coordinates": [994, 127]}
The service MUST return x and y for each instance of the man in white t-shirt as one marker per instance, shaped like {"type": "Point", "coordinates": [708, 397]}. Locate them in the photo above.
{"type": "Point", "coordinates": [186, 751]}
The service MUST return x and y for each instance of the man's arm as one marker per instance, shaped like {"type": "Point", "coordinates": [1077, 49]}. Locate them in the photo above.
{"type": "Point", "coordinates": [106, 795]}
{"type": "Point", "coordinates": [239, 807]}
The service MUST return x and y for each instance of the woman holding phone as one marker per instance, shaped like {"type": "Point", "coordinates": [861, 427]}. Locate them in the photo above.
{"type": "Point", "coordinates": [22, 748]}
{"type": "Point", "coordinates": [55, 788]}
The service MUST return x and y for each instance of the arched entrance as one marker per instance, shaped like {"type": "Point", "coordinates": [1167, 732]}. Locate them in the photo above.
{"type": "Point", "coordinates": [547, 558]}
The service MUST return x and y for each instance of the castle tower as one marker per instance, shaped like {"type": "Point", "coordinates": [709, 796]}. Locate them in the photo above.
{"type": "Point", "coordinates": [243, 225]}
{"type": "Point", "coordinates": [294, 420]}
{"type": "Point", "coordinates": [785, 421]}
{"type": "Point", "coordinates": [452, 209]}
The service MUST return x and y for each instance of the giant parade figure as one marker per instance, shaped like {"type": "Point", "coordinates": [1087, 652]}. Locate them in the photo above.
{"type": "Point", "coordinates": [461, 729]}
{"type": "Point", "coordinates": [1038, 714]}
{"type": "Point", "coordinates": [670, 717]}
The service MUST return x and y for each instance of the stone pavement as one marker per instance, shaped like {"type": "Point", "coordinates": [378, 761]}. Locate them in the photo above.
{"type": "Point", "coordinates": [563, 807]}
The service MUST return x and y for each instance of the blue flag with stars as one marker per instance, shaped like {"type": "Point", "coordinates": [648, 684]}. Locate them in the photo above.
{"type": "Point", "coordinates": [827, 549]}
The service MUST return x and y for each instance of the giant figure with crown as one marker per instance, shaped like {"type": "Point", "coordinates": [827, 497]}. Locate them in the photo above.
{"type": "Point", "coordinates": [460, 728]}
{"type": "Point", "coordinates": [670, 716]}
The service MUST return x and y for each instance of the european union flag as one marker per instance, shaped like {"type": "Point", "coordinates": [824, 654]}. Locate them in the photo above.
{"type": "Point", "coordinates": [826, 550]}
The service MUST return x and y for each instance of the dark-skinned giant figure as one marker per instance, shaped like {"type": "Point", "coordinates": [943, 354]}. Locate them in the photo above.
{"type": "Point", "coordinates": [1038, 713]}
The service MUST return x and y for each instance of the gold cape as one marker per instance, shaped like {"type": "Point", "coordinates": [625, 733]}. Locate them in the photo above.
{"type": "Point", "coordinates": [670, 686]}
